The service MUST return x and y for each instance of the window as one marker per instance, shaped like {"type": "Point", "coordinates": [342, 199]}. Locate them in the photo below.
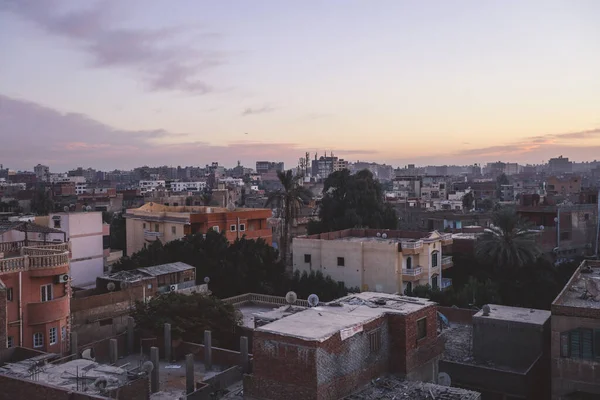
{"type": "Point", "coordinates": [9, 294]}
{"type": "Point", "coordinates": [375, 340]}
{"type": "Point", "coordinates": [63, 333]}
{"type": "Point", "coordinates": [215, 228]}
{"type": "Point", "coordinates": [46, 292]}
{"type": "Point", "coordinates": [421, 328]}
{"type": "Point", "coordinates": [9, 342]}
{"type": "Point", "coordinates": [38, 339]}
{"type": "Point", "coordinates": [174, 230]}
{"type": "Point", "coordinates": [580, 343]}
{"type": "Point", "coordinates": [434, 259]}
{"type": "Point", "coordinates": [57, 223]}
{"type": "Point", "coordinates": [307, 258]}
{"type": "Point", "coordinates": [52, 336]}
{"type": "Point", "coordinates": [144, 225]}
{"type": "Point", "coordinates": [156, 228]}
{"type": "Point", "coordinates": [242, 227]}
{"type": "Point", "coordinates": [232, 228]}
{"type": "Point", "coordinates": [409, 263]}
{"type": "Point", "coordinates": [341, 262]}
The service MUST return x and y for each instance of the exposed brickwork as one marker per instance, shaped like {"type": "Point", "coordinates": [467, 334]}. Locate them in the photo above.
{"type": "Point", "coordinates": [134, 390]}
{"type": "Point", "coordinates": [582, 312]}
{"type": "Point", "coordinates": [13, 388]}
{"type": "Point", "coordinates": [458, 315]}
{"type": "Point", "coordinates": [290, 368]}
{"type": "Point", "coordinates": [3, 320]}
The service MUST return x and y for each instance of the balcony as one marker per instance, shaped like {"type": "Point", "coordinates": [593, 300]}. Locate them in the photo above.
{"type": "Point", "coordinates": [447, 262]}
{"type": "Point", "coordinates": [152, 236]}
{"type": "Point", "coordinates": [412, 274]}
{"type": "Point", "coordinates": [48, 311]}
{"type": "Point", "coordinates": [411, 247]}
{"type": "Point", "coordinates": [446, 283]}
{"type": "Point", "coordinates": [43, 260]}
{"type": "Point", "coordinates": [446, 239]}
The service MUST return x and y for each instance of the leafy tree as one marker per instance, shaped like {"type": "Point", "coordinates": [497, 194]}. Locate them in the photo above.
{"type": "Point", "coordinates": [42, 202]}
{"type": "Point", "coordinates": [468, 200]}
{"type": "Point", "coordinates": [353, 200]}
{"type": "Point", "coordinates": [509, 242]}
{"type": "Point", "coordinates": [288, 200]}
{"type": "Point", "coordinates": [502, 179]}
{"type": "Point", "coordinates": [485, 204]}
{"type": "Point", "coordinates": [189, 316]}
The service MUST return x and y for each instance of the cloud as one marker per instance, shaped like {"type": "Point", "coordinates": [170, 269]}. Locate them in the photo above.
{"type": "Point", "coordinates": [260, 110]}
{"type": "Point", "coordinates": [32, 134]}
{"type": "Point", "coordinates": [158, 56]}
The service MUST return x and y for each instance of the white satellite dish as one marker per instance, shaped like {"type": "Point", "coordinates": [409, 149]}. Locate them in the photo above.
{"type": "Point", "coordinates": [110, 286]}
{"type": "Point", "coordinates": [384, 235]}
{"type": "Point", "coordinates": [291, 297]}
{"type": "Point", "coordinates": [147, 367]}
{"type": "Point", "coordinates": [378, 234]}
{"type": "Point", "coordinates": [206, 280]}
{"type": "Point", "coordinates": [541, 227]}
{"type": "Point", "coordinates": [313, 300]}
{"type": "Point", "coordinates": [591, 285]}
{"type": "Point", "coordinates": [66, 208]}
{"type": "Point", "coordinates": [444, 379]}
{"type": "Point", "coordinates": [88, 354]}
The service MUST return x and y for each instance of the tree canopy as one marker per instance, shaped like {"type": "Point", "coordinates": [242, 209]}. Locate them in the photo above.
{"type": "Point", "coordinates": [353, 201]}
{"type": "Point", "coordinates": [189, 316]}
{"type": "Point", "coordinates": [244, 266]}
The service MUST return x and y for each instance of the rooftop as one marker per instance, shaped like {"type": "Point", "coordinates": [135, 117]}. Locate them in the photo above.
{"type": "Point", "coordinates": [389, 388]}
{"type": "Point", "coordinates": [322, 322]}
{"type": "Point", "coordinates": [516, 314]}
{"type": "Point", "coordinates": [166, 268]}
{"type": "Point", "coordinates": [23, 226]}
{"type": "Point", "coordinates": [160, 208]}
{"type": "Point", "coordinates": [583, 289]}
{"type": "Point", "coordinates": [379, 235]}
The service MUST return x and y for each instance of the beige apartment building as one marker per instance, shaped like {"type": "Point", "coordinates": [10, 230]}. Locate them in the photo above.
{"type": "Point", "coordinates": [376, 260]}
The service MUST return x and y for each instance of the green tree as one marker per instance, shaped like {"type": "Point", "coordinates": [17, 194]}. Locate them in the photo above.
{"type": "Point", "coordinates": [468, 200]}
{"type": "Point", "coordinates": [288, 200]}
{"type": "Point", "coordinates": [42, 202]}
{"type": "Point", "coordinates": [353, 201]}
{"type": "Point", "coordinates": [510, 242]}
{"type": "Point", "coordinates": [189, 316]}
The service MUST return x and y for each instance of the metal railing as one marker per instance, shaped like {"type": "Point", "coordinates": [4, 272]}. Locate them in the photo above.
{"type": "Point", "coordinates": [412, 271]}
{"type": "Point", "coordinates": [447, 260]}
{"type": "Point", "coordinates": [262, 298]}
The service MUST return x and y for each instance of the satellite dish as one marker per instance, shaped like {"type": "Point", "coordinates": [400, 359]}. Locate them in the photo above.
{"type": "Point", "coordinates": [206, 279]}
{"type": "Point", "coordinates": [147, 367]}
{"type": "Point", "coordinates": [88, 354]}
{"type": "Point", "coordinates": [378, 234]}
{"type": "Point", "coordinates": [591, 285]}
{"type": "Point", "coordinates": [313, 300]}
{"type": "Point", "coordinates": [486, 310]}
{"type": "Point", "coordinates": [66, 208]}
{"type": "Point", "coordinates": [123, 285]}
{"type": "Point", "coordinates": [384, 235]}
{"type": "Point", "coordinates": [541, 227]}
{"type": "Point", "coordinates": [444, 379]}
{"type": "Point", "coordinates": [291, 297]}
{"type": "Point", "coordinates": [89, 208]}
{"type": "Point", "coordinates": [110, 286]}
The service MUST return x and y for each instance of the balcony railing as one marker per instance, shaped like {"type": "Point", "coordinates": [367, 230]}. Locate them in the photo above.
{"type": "Point", "coordinates": [262, 299]}
{"type": "Point", "coordinates": [446, 283]}
{"type": "Point", "coordinates": [15, 264]}
{"type": "Point", "coordinates": [412, 245]}
{"type": "Point", "coordinates": [152, 235]}
{"type": "Point", "coordinates": [412, 271]}
{"type": "Point", "coordinates": [36, 258]}
{"type": "Point", "coordinates": [447, 262]}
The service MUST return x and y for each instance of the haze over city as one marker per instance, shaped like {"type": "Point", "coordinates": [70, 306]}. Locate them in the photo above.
{"type": "Point", "coordinates": [119, 84]}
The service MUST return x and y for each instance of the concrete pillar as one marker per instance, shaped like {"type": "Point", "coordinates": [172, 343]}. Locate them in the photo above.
{"type": "Point", "coordinates": [130, 322]}
{"type": "Point", "coordinates": [154, 383]}
{"type": "Point", "coordinates": [244, 362]}
{"type": "Point", "coordinates": [207, 350]}
{"type": "Point", "coordinates": [189, 374]}
{"type": "Point", "coordinates": [168, 342]}
{"type": "Point", "coordinates": [114, 351]}
{"type": "Point", "coordinates": [74, 345]}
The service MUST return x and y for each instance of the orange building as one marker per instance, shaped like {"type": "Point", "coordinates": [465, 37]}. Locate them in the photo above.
{"type": "Point", "coordinates": [34, 287]}
{"type": "Point", "coordinates": [155, 221]}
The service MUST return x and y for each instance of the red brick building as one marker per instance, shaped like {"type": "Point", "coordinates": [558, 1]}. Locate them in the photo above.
{"type": "Point", "coordinates": [34, 287]}
{"type": "Point", "coordinates": [328, 351]}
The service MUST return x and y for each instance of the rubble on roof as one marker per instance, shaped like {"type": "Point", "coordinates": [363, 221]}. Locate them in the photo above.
{"type": "Point", "coordinates": [391, 388]}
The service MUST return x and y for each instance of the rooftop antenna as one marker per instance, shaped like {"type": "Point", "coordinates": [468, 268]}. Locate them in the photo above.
{"type": "Point", "coordinates": [291, 297]}
{"type": "Point", "coordinates": [313, 300]}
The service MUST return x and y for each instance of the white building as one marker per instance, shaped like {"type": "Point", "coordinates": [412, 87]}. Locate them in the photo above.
{"type": "Point", "coordinates": [151, 186]}
{"type": "Point", "coordinates": [85, 231]}
{"type": "Point", "coordinates": [187, 186]}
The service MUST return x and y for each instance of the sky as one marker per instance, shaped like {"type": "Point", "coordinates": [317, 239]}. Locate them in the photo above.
{"type": "Point", "coordinates": [113, 84]}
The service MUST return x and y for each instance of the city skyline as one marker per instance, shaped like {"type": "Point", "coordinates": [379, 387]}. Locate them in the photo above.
{"type": "Point", "coordinates": [124, 85]}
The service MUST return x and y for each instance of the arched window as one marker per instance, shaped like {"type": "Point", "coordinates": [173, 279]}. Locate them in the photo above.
{"type": "Point", "coordinates": [409, 263]}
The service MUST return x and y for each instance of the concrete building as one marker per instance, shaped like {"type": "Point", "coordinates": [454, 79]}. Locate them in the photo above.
{"type": "Point", "coordinates": [560, 165]}
{"type": "Point", "coordinates": [34, 287]}
{"type": "Point", "coordinates": [575, 344]}
{"type": "Point", "coordinates": [263, 167]}
{"type": "Point", "coordinates": [434, 187]}
{"type": "Point", "coordinates": [155, 221]}
{"type": "Point", "coordinates": [85, 231]}
{"type": "Point", "coordinates": [147, 187]}
{"type": "Point", "coordinates": [42, 173]}
{"type": "Point", "coordinates": [381, 261]}
{"type": "Point", "coordinates": [187, 186]}
{"type": "Point", "coordinates": [329, 351]}
{"type": "Point", "coordinates": [504, 354]}
{"type": "Point", "coordinates": [563, 185]}
{"type": "Point", "coordinates": [325, 165]}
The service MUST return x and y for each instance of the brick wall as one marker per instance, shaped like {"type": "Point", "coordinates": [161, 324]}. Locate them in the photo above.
{"type": "Point", "coordinates": [102, 348]}
{"type": "Point", "coordinates": [3, 321]}
{"type": "Point", "coordinates": [584, 312]}
{"type": "Point", "coordinates": [14, 388]}
{"type": "Point", "coordinates": [134, 390]}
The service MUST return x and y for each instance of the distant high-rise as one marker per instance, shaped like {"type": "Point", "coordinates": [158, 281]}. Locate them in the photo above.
{"type": "Point", "coordinates": [560, 165]}
{"type": "Point", "coordinates": [42, 173]}
{"type": "Point", "coordinates": [263, 167]}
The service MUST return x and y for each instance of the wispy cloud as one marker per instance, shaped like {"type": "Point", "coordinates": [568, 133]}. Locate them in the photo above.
{"type": "Point", "coordinates": [258, 110]}
{"type": "Point", "coordinates": [158, 56]}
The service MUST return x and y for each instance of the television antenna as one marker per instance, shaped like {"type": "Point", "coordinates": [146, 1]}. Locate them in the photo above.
{"type": "Point", "coordinates": [291, 297]}
{"type": "Point", "coordinates": [313, 300]}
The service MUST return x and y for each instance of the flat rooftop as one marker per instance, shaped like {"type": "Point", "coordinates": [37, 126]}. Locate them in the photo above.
{"type": "Point", "coordinates": [583, 289]}
{"type": "Point", "coordinates": [379, 235]}
{"type": "Point", "coordinates": [250, 311]}
{"type": "Point", "coordinates": [516, 314]}
{"type": "Point", "coordinates": [322, 322]}
{"type": "Point", "coordinates": [391, 388]}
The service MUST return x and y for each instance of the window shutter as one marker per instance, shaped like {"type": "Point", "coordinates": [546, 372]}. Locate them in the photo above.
{"type": "Point", "coordinates": [575, 344]}
{"type": "Point", "coordinates": [564, 344]}
{"type": "Point", "coordinates": [586, 344]}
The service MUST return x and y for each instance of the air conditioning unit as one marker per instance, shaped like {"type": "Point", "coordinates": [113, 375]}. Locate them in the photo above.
{"type": "Point", "coordinates": [173, 288]}
{"type": "Point", "coordinates": [64, 278]}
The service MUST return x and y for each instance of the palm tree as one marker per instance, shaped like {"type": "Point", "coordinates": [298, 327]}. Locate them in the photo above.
{"type": "Point", "coordinates": [288, 200]}
{"type": "Point", "coordinates": [510, 242]}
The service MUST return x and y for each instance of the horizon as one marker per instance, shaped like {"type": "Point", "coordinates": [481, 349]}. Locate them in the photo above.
{"type": "Point", "coordinates": [113, 85]}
